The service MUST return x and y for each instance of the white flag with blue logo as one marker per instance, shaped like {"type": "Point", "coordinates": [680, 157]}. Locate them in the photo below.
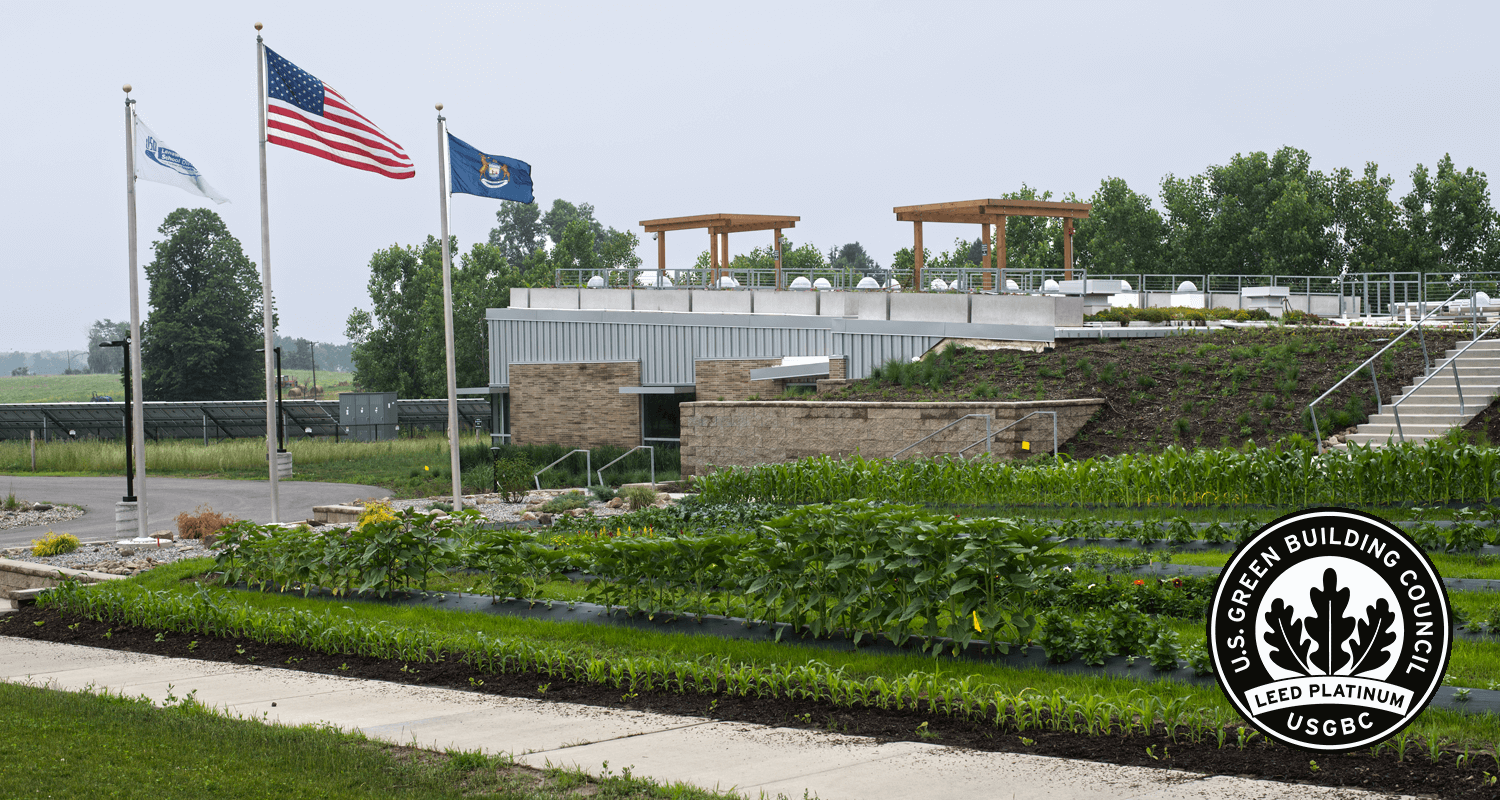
{"type": "Point", "coordinates": [155, 161]}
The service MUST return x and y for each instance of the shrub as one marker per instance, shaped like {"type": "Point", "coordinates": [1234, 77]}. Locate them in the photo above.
{"type": "Point", "coordinates": [11, 503]}
{"type": "Point", "coordinates": [513, 478]}
{"type": "Point", "coordinates": [639, 497]}
{"type": "Point", "coordinates": [54, 544]}
{"type": "Point", "coordinates": [564, 502]}
{"type": "Point", "coordinates": [203, 522]}
{"type": "Point", "coordinates": [603, 493]}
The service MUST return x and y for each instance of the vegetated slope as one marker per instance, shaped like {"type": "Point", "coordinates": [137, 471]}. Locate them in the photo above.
{"type": "Point", "coordinates": [1217, 388]}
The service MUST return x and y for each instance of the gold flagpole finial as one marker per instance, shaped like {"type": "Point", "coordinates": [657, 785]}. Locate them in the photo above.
{"type": "Point", "coordinates": [257, 26]}
{"type": "Point", "coordinates": [439, 106]}
{"type": "Point", "coordinates": [126, 87]}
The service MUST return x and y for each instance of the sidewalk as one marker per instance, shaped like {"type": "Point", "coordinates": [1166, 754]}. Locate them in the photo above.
{"type": "Point", "coordinates": [749, 758]}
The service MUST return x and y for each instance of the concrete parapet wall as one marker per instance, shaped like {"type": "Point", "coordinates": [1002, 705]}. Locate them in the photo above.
{"type": "Point", "coordinates": [832, 304]}
{"type": "Point", "coordinates": [710, 301]}
{"type": "Point", "coordinates": [785, 302]}
{"type": "Point", "coordinates": [1024, 309]}
{"type": "Point", "coordinates": [661, 300]}
{"type": "Point", "coordinates": [746, 433]}
{"type": "Point", "coordinates": [553, 298]}
{"type": "Point", "coordinates": [929, 307]}
{"type": "Point", "coordinates": [606, 299]}
{"type": "Point", "coordinates": [520, 298]}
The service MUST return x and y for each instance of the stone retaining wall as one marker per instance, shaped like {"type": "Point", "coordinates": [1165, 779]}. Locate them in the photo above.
{"type": "Point", "coordinates": [747, 433]}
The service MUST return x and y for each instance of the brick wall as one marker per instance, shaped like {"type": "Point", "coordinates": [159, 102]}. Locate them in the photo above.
{"type": "Point", "coordinates": [838, 368]}
{"type": "Point", "coordinates": [575, 405]}
{"type": "Point", "coordinates": [730, 378]}
{"type": "Point", "coordinates": [748, 433]}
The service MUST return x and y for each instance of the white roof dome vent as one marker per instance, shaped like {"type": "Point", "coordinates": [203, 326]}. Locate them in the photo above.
{"type": "Point", "coordinates": [1010, 286]}
{"type": "Point", "coordinates": [800, 283]}
{"type": "Point", "coordinates": [728, 282]}
{"type": "Point", "coordinates": [1050, 285]}
{"type": "Point", "coordinates": [1481, 299]}
{"type": "Point", "coordinates": [821, 284]}
{"type": "Point", "coordinates": [596, 282]}
{"type": "Point", "coordinates": [653, 280]}
{"type": "Point", "coordinates": [938, 285]}
{"type": "Point", "coordinates": [1125, 286]}
{"type": "Point", "coordinates": [867, 282]}
{"type": "Point", "coordinates": [893, 284]}
{"type": "Point", "coordinates": [1186, 287]}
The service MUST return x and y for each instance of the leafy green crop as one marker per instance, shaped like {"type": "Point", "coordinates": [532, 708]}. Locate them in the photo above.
{"type": "Point", "coordinates": [1289, 473]}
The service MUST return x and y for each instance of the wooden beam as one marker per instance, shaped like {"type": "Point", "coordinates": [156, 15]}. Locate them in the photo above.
{"type": "Point", "coordinates": [1003, 206]}
{"type": "Point", "coordinates": [713, 256]}
{"type": "Point", "coordinates": [756, 226]}
{"type": "Point", "coordinates": [916, 252]}
{"type": "Point", "coordinates": [765, 221]}
{"type": "Point", "coordinates": [724, 249]}
{"type": "Point", "coordinates": [661, 254]}
{"type": "Point", "coordinates": [943, 216]}
{"type": "Point", "coordinates": [653, 226]}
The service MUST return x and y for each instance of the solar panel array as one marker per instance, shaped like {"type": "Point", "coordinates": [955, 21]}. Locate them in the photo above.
{"type": "Point", "coordinates": [218, 419]}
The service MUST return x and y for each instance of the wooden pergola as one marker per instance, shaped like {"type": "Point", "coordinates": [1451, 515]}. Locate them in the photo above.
{"type": "Point", "coordinates": [985, 213]}
{"type": "Point", "coordinates": [719, 227]}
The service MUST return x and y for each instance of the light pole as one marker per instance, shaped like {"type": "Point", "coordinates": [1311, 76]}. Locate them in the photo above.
{"type": "Point", "coordinates": [129, 427]}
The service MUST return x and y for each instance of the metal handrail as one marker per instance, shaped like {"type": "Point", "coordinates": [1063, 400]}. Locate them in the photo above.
{"type": "Point", "coordinates": [989, 437]}
{"type": "Point", "coordinates": [985, 417]}
{"type": "Point", "coordinates": [588, 469]}
{"type": "Point", "coordinates": [1369, 362]}
{"type": "Point", "coordinates": [1452, 360]}
{"type": "Point", "coordinates": [628, 452]}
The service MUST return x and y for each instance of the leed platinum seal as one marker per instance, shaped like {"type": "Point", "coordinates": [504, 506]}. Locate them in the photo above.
{"type": "Point", "coordinates": [1329, 630]}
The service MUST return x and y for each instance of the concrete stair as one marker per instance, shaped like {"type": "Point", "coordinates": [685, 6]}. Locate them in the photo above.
{"type": "Point", "coordinates": [1433, 410]}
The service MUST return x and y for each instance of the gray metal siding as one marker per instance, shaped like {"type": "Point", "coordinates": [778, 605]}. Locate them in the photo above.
{"type": "Point", "coordinates": [868, 350]}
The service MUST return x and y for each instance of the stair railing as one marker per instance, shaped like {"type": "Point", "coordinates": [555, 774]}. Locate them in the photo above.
{"type": "Point", "coordinates": [990, 437]}
{"type": "Point", "coordinates": [1370, 362]}
{"type": "Point", "coordinates": [1453, 362]}
{"type": "Point", "coordinates": [985, 417]}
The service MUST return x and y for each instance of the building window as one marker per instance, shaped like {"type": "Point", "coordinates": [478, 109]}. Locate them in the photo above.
{"type": "Point", "coordinates": [661, 418]}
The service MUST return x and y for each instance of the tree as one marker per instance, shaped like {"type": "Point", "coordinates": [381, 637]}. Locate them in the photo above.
{"type": "Point", "coordinates": [519, 231]}
{"type": "Point", "coordinates": [482, 279]}
{"type": "Point", "coordinates": [106, 359]}
{"type": "Point", "coordinates": [1450, 224]}
{"type": "Point", "coordinates": [1366, 221]}
{"type": "Point", "coordinates": [852, 257]}
{"type": "Point", "coordinates": [1258, 214]}
{"type": "Point", "coordinates": [205, 320]}
{"type": "Point", "coordinates": [1032, 242]}
{"type": "Point", "coordinates": [1122, 234]}
{"type": "Point", "coordinates": [386, 339]}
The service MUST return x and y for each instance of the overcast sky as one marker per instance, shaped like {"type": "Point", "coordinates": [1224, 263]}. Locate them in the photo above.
{"type": "Point", "coordinates": [832, 111]}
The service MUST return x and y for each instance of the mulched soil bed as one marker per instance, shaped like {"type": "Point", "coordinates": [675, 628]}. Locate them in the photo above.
{"type": "Point", "coordinates": [1416, 775]}
{"type": "Point", "coordinates": [1225, 387]}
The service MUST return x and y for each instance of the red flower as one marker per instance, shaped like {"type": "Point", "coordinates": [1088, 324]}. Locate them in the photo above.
{"type": "Point", "coordinates": [1139, 582]}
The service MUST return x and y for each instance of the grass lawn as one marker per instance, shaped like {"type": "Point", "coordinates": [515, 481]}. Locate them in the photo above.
{"type": "Point", "coordinates": [1482, 660]}
{"type": "Point", "coordinates": [78, 744]}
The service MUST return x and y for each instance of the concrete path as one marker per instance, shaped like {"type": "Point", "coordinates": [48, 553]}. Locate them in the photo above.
{"type": "Point", "coordinates": [751, 759]}
{"type": "Point", "coordinates": [168, 497]}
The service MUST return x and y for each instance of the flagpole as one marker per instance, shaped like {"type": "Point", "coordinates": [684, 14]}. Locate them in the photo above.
{"type": "Point", "coordinates": [444, 193]}
{"type": "Point", "coordinates": [133, 352]}
{"type": "Point", "coordinates": [265, 278]}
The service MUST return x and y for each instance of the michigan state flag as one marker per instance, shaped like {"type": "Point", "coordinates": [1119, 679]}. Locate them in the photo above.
{"type": "Point", "coordinates": [479, 173]}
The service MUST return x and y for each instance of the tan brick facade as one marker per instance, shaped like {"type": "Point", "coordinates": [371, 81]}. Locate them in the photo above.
{"type": "Point", "coordinates": [730, 379]}
{"type": "Point", "coordinates": [575, 405]}
{"type": "Point", "coordinates": [716, 434]}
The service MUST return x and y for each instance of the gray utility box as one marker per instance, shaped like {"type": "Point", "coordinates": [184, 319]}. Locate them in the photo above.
{"type": "Point", "coordinates": [368, 416]}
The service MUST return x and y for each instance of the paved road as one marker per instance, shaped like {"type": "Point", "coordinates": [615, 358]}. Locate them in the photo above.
{"type": "Point", "coordinates": [167, 498]}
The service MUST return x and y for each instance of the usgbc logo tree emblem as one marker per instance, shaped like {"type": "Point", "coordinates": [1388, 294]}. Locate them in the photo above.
{"type": "Point", "coordinates": [1329, 630]}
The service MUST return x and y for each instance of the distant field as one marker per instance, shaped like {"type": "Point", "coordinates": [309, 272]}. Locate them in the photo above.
{"type": "Point", "coordinates": [79, 388]}
{"type": "Point", "coordinates": [58, 388]}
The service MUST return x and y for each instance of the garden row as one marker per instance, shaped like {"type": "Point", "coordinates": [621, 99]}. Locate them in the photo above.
{"type": "Point", "coordinates": [1289, 473]}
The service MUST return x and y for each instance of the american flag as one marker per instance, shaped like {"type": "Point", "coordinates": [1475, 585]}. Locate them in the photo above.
{"type": "Point", "coordinates": [306, 114]}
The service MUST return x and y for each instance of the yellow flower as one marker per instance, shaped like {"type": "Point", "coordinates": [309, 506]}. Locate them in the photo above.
{"type": "Point", "coordinates": [427, 469]}
{"type": "Point", "coordinates": [977, 629]}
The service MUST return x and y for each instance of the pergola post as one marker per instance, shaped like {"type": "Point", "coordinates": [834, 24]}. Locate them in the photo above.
{"type": "Point", "coordinates": [1000, 262]}
{"type": "Point", "coordinates": [776, 253]}
{"type": "Point", "coordinates": [713, 256]}
{"type": "Point", "coordinates": [661, 257]}
{"type": "Point", "coordinates": [916, 252]}
{"type": "Point", "coordinates": [984, 259]}
{"type": "Point", "coordinates": [724, 252]}
{"type": "Point", "coordinates": [1067, 248]}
